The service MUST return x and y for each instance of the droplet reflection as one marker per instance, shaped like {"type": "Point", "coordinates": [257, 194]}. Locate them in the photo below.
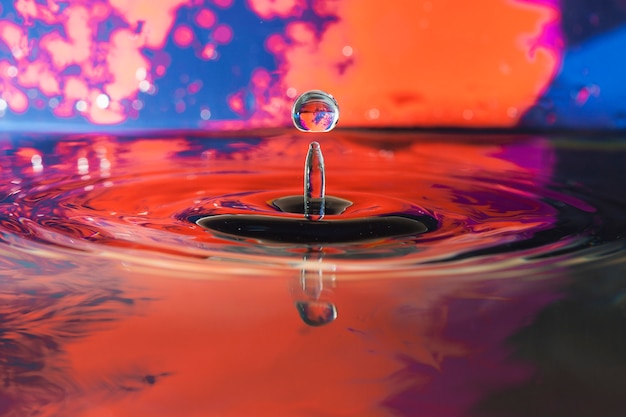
{"type": "Point", "coordinates": [316, 313]}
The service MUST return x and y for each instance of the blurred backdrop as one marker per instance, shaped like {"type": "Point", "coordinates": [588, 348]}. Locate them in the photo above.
{"type": "Point", "coordinates": [232, 64]}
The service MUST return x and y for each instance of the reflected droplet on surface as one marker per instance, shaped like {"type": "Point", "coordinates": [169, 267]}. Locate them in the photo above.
{"type": "Point", "coordinates": [316, 313]}
{"type": "Point", "coordinates": [315, 111]}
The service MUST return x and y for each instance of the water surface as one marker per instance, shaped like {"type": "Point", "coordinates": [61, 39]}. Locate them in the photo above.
{"type": "Point", "coordinates": [116, 302]}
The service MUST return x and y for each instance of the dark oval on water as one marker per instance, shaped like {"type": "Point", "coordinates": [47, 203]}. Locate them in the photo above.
{"type": "Point", "coordinates": [295, 230]}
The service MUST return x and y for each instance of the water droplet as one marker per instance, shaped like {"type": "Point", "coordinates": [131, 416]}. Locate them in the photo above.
{"type": "Point", "coordinates": [315, 111]}
{"type": "Point", "coordinates": [316, 313]}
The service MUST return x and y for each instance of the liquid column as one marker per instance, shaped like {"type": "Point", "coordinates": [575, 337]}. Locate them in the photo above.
{"type": "Point", "coordinates": [314, 183]}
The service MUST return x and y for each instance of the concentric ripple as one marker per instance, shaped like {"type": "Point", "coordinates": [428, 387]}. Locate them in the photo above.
{"type": "Point", "coordinates": [487, 203]}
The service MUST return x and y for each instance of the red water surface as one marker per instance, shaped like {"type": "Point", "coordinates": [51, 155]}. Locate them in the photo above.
{"type": "Point", "coordinates": [95, 339]}
{"type": "Point", "coordinates": [112, 306]}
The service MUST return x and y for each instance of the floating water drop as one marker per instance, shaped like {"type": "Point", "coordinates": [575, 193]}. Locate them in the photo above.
{"type": "Point", "coordinates": [314, 183]}
{"type": "Point", "coordinates": [315, 111]}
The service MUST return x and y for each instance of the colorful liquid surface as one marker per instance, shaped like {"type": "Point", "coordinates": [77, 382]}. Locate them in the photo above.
{"type": "Point", "coordinates": [115, 302]}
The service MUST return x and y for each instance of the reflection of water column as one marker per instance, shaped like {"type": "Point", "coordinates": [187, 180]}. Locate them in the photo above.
{"type": "Point", "coordinates": [310, 303]}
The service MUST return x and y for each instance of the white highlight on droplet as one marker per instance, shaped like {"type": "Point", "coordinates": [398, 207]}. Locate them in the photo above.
{"type": "Point", "coordinates": [347, 51]}
{"type": "Point", "coordinates": [53, 103]}
{"type": "Point", "coordinates": [102, 101]}
{"type": "Point", "coordinates": [3, 104]}
{"type": "Point", "coordinates": [12, 71]}
{"type": "Point", "coordinates": [81, 105]}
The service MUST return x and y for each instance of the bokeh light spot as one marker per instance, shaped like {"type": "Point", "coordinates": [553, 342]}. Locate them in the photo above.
{"type": "Point", "coordinates": [205, 18]}
{"type": "Point", "coordinates": [183, 36]}
{"type": "Point", "coordinates": [102, 101]}
{"type": "Point", "coordinates": [373, 114]}
{"type": "Point", "coordinates": [223, 34]}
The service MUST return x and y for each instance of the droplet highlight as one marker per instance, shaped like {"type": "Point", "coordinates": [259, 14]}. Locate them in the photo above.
{"type": "Point", "coordinates": [315, 111]}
